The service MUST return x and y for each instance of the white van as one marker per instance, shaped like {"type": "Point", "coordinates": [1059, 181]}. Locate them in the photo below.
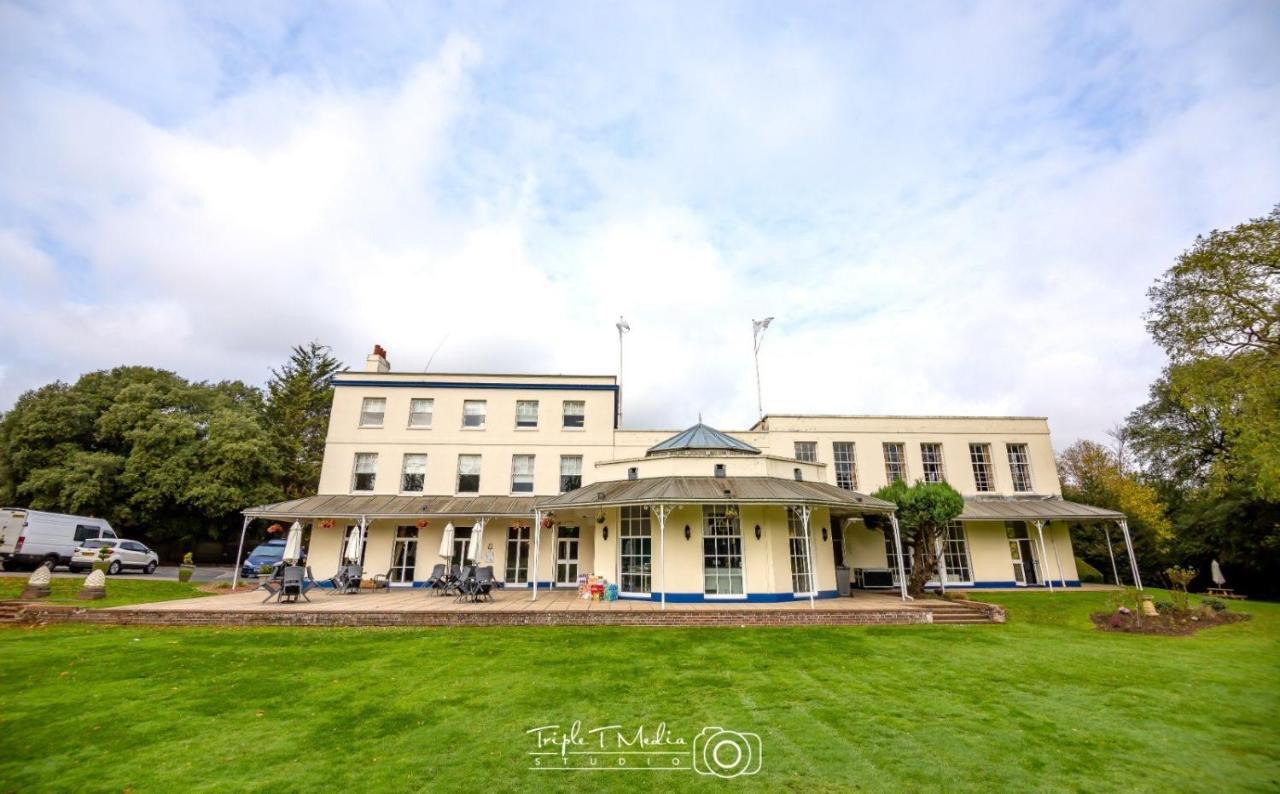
{"type": "Point", "coordinates": [31, 537]}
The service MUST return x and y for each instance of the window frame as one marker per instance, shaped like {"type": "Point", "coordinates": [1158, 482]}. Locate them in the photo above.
{"type": "Point", "coordinates": [901, 448]}
{"type": "Point", "coordinates": [564, 415]}
{"type": "Point", "coordinates": [430, 413]}
{"type": "Point", "coordinates": [563, 460]}
{"type": "Point", "coordinates": [404, 466]}
{"type": "Point", "coordinates": [356, 473]}
{"type": "Point", "coordinates": [811, 451]}
{"type": "Point", "coordinates": [364, 412]}
{"type": "Point", "coordinates": [851, 462]}
{"type": "Point", "coordinates": [925, 462]}
{"type": "Point", "coordinates": [484, 414]}
{"type": "Point", "coordinates": [532, 462]}
{"type": "Point", "coordinates": [457, 484]}
{"type": "Point", "coordinates": [798, 548]}
{"type": "Point", "coordinates": [718, 526]}
{"type": "Point", "coordinates": [536, 411]}
{"type": "Point", "coordinates": [635, 523]}
{"type": "Point", "coordinates": [1025, 464]}
{"type": "Point", "coordinates": [982, 468]}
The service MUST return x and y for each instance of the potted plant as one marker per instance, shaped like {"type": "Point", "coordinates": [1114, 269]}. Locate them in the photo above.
{"type": "Point", "coordinates": [600, 517]}
{"type": "Point", "coordinates": [187, 568]}
{"type": "Point", "coordinates": [548, 521]}
{"type": "Point", "coordinates": [101, 563]}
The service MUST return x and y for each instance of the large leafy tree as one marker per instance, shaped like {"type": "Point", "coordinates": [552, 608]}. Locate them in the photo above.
{"type": "Point", "coordinates": [160, 457]}
{"type": "Point", "coordinates": [924, 509]}
{"type": "Point", "coordinates": [1210, 433]}
{"type": "Point", "coordinates": [299, 396]}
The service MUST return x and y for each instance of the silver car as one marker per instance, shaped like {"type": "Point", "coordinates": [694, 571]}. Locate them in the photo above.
{"type": "Point", "coordinates": [124, 554]}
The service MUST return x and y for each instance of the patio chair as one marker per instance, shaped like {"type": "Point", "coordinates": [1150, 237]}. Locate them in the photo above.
{"type": "Point", "coordinates": [293, 584]}
{"type": "Point", "coordinates": [466, 584]}
{"type": "Point", "coordinates": [352, 576]}
{"type": "Point", "coordinates": [485, 582]}
{"type": "Point", "coordinates": [436, 581]}
{"type": "Point", "coordinates": [382, 581]}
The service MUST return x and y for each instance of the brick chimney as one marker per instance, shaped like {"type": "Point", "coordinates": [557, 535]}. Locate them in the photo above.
{"type": "Point", "coordinates": [377, 360]}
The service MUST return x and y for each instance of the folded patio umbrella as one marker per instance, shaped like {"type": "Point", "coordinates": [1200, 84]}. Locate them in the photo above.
{"type": "Point", "coordinates": [293, 545]}
{"type": "Point", "coordinates": [477, 544]}
{"type": "Point", "coordinates": [446, 541]}
{"type": "Point", "coordinates": [352, 553]}
{"type": "Point", "coordinates": [1215, 572]}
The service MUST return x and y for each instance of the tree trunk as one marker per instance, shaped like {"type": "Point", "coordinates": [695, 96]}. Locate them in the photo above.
{"type": "Point", "coordinates": [924, 560]}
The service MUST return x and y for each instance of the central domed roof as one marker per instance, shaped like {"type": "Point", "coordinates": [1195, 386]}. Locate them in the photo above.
{"type": "Point", "coordinates": [703, 438]}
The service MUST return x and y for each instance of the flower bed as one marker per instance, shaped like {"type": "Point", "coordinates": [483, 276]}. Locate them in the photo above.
{"type": "Point", "coordinates": [1168, 623]}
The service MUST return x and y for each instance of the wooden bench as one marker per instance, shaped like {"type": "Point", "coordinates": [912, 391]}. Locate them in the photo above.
{"type": "Point", "coordinates": [1225, 592]}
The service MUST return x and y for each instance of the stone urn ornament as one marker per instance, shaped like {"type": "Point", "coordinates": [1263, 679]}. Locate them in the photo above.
{"type": "Point", "coordinates": [95, 587]}
{"type": "Point", "coordinates": [38, 584]}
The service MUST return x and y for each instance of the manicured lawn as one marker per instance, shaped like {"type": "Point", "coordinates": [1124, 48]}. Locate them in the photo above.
{"type": "Point", "coordinates": [1045, 702]}
{"type": "Point", "coordinates": [120, 591]}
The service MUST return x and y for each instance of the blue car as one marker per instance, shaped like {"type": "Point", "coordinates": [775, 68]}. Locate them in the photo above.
{"type": "Point", "coordinates": [269, 553]}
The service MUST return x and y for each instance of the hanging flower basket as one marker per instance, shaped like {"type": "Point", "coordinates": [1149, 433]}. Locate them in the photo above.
{"type": "Point", "coordinates": [327, 523]}
{"type": "Point", "coordinates": [275, 529]}
{"type": "Point", "coordinates": [731, 511]}
{"type": "Point", "coordinates": [548, 522]}
{"type": "Point", "coordinates": [600, 517]}
{"type": "Point", "coordinates": [423, 523]}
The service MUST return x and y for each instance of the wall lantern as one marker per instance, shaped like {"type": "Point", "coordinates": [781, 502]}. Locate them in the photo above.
{"type": "Point", "coordinates": [687, 532]}
{"type": "Point", "coordinates": [757, 531]}
{"type": "Point", "coordinates": [824, 534]}
{"type": "Point", "coordinates": [606, 533]}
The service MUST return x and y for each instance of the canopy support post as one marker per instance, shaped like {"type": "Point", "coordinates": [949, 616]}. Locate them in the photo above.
{"type": "Point", "coordinates": [1106, 533]}
{"type": "Point", "coordinates": [939, 547]}
{"type": "Point", "coordinates": [663, 511]}
{"type": "Point", "coordinates": [235, 579]}
{"type": "Point", "coordinates": [537, 548]}
{"type": "Point", "coordinates": [1133, 561]}
{"type": "Point", "coordinates": [1057, 560]}
{"type": "Point", "coordinates": [897, 545]}
{"type": "Point", "coordinates": [1044, 555]}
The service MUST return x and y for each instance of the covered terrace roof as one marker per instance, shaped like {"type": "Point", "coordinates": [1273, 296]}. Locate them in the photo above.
{"type": "Point", "coordinates": [1033, 508]}
{"type": "Point", "coordinates": [715, 490]}
{"type": "Point", "coordinates": [373, 506]}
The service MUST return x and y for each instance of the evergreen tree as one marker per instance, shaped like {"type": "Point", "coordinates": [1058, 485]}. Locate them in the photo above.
{"type": "Point", "coordinates": [299, 396]}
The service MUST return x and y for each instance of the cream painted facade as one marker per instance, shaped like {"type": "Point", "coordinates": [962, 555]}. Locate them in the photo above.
{"type": "Point", "coordinates": [371, 422]}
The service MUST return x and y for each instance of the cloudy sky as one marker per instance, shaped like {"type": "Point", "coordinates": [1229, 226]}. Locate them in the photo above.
{"type": "Point", "coordinates": [949, 208]}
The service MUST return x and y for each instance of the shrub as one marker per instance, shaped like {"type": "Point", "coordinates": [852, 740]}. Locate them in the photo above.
{"type": "Point", "coordinates": [1087, 572]}
{"type": "Point", "coordinates": [1215, 604]}
{"type": "Point", "coordinates": [1165, 606]}
{"type": "Point", "coordinates": [188, 559]}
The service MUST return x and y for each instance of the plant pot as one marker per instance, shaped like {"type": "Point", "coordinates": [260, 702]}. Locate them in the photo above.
{"type": "Point", "coordinates": [185, 572]}
{"type": "Point", "coordinates": [101, 565]}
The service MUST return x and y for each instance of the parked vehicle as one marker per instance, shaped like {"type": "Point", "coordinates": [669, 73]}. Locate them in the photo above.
{"type": "Point", "coordinates": [124, 554]}
{"type": "Point", "coordinates": [32, 537]}
{"type": "Point", "coordinates": [268, 553]}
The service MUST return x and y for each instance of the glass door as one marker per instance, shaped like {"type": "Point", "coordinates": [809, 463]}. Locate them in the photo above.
{"type": "Point", "coordinates": [721, 552]}
{"type": "Point", "coordinates": [635, 547]}
{"type": "Point", "coordinates": [461, 540]}
{"type": "Point", "coordinates": [1015, 554]}
{"type": "Point", "coordinates": [567, 556]}
{"type": "Point", "coordinates": [404, 555]}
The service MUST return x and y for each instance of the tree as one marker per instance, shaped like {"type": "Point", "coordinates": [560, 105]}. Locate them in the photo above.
{"type": "Point", "coordinates": [1221, 298]}
{"type": "Point", "coordinates": [924, 510]}
{"type": "Point", "coordinates": [1209, 436]}
{"type": "Point", "coordinates": [1092, 474]}
{"type": "Point", "coordinates": [299, 397]}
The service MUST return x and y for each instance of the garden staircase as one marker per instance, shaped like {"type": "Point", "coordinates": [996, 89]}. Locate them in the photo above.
{"type": "Point", "coordinates": [955, 612]}
{"type": "Point", "coordinates": [9, 611]}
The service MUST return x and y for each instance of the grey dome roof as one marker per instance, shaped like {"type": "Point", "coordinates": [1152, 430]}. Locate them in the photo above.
{"type": "Point", "coordinates": [702, 437]}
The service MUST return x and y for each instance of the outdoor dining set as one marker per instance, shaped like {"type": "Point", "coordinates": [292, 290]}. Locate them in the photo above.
{"type": "Point", "coordinates": [290, 580]}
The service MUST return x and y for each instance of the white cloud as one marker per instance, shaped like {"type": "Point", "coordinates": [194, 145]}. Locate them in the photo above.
{"type": "Point", "coordinates": [957, 211]}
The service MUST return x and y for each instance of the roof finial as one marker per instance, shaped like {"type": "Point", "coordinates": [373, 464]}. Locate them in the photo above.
{"type": "Point", "coordinates": [699, 417]}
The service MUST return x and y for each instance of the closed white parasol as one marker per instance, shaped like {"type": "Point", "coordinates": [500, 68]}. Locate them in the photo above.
{"type": "Point", "coordinates": [446, 541]}
{"type": "Point", "coordinates": [1215, 571]}
{"type": "Point", "coordinates": [293, 544]}
{"type": "Point", "coordinates": [476, 547]}
{"type": "Point", "coordinates": [352, 552]}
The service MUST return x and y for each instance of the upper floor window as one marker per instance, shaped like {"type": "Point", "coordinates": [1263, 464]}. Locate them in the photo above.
{"type": "Point", "coordinates": [846, 465]}
{"type": "Point", "coordinates": [570, 473]}
{"type": "Point", "coordinates": [526, 413]}
{"type": "Point", "coordinates": [521, 474]}
{"type": "Point", "coordinates": [372, 411]}
{"type": "Point", "coordinates": [473, 413]}
{"type": "Point", "coordinates": [719, 470]}
{"type": "Point", "coordinates": [807, 451]}
{"type": "Point", "coordinates": [931, 458]}
{"type": "Point", "coordinates": [983, 475]}
{"type": "Point", "coordinates": [575, 412]}
{"type": "Point", "coordinates": [1020, 466]}
{"type": "Point", "coordinates": [468, 474]}
{"type": "Point", "coordinates": [413, 477]}
{"type": "Point", "coordinates": [797, 473]}
{"type": "Point", "coordinates": [633, 473]}
{"type": "Point", "coordinates": [420, 411]}
{"type": "Point", "coordinates": [365, 473]}
{"type": "Point", "coordinates": [895, 461]}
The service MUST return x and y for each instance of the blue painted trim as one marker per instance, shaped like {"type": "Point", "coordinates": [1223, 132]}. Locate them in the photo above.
{"type": "Point", "coordinates": [750, 598]}
{"type": "Point", "coordinates": [443, 384]}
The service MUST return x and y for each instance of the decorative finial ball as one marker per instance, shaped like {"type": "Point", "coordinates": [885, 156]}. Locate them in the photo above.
{"type": "Point", "coordinates": [40, 577]}
{"type": "Point", "coordinates": [96, 579]}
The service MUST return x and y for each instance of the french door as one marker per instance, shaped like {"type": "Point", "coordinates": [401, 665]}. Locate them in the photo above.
{"type": "Point", "coordinates": [635, 552]}
{"type": "Point", "coordinates": [404, 555]}
{"type": "Point", "coordinates": [567, 556]}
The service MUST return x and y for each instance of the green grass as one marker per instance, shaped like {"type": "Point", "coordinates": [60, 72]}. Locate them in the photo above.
{"type": "Point", "coordinates": [120, 592]}
{"type": "Point", "coordinates": [1044, 702]}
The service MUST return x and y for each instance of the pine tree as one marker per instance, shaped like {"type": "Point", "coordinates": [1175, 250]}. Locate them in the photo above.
{"type": "Point", "coordinates": [299, 395]}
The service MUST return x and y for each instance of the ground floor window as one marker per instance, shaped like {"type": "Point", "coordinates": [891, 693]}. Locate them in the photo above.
{"type": "Point", "coordinates": [801, 583]}
{"type": "Point", "coordinates": [721, 551]}
{"type": "Point", "coordinates": [518, 555]}
{"type": "Point", "coordinates": [635, 551]}
{"type": "Point", "coordinates": [955, 549]}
